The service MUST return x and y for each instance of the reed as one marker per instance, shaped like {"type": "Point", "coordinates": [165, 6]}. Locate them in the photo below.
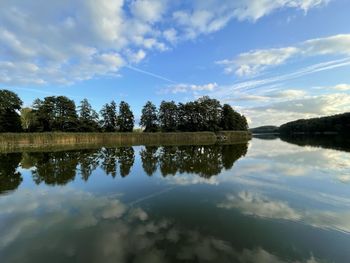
{"type": "Point", "coordinates": [40, 140]}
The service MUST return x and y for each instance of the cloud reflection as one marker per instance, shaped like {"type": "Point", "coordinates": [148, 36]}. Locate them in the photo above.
{"type": "Point", "coordinates": [258, 205]}
{"type": "Point", "coordinates": [73, 226]}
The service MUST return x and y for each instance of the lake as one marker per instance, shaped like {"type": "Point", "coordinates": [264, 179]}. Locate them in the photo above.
{"type": "Point", "coordinates": [268, 200]}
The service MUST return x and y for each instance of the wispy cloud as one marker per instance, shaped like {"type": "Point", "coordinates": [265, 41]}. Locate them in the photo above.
{"type": "Point", "coordinates": [253, 62]}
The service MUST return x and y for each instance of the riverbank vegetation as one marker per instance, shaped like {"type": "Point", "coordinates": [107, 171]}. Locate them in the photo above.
{"type": "Point", "coordinates": [335, 124]}
{"type": "Point", "coordinates": [20, 141]}
{"type": "Point", "coordinates": [338, 124]}
{"type": "Point", "coordinates": [60, 114]}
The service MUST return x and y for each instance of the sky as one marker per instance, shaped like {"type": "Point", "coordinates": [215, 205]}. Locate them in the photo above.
{"type": "Point", "coordinates": [272, 60]}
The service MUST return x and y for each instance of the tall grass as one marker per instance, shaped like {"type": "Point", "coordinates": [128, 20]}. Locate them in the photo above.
{"type": "Point", "coordinates": [33, 140]}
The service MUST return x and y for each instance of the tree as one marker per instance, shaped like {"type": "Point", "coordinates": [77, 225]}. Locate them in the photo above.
{"type": "Point", "coordinates": [66, 117]}
{"type": "Point", "coordinates": [168, 116]}
{"type": "Point", "coordinates": [28, 119]}
{"type": "Point", "coordinates": [210, 114]}
{"type": "Point", "coordinates": [10, 104]}
{"type": "Point", "coordinates": [56, 114]}
{"type": "Point", "coordinates": [88, 117]}
{"type": "Point", "coordinates": [149, 118]}
{"type": "Point", "coordinates": [232, 120]}
{"type": "Point", "coordinates": [43, 111]}
{"type": "Point", "coordinates": [125, 117]}
{"type": "Point", "coordinates": [109, 117]}
{"type": "Point", "coordinates": [189, 117]}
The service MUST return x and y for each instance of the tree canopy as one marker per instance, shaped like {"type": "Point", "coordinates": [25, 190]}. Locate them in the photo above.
{"type": "Point", "coordinates": [10, 104]}
{"type": "Point", "coordinates": [59, 113]}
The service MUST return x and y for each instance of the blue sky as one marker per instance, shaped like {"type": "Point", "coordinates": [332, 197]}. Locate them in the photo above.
{"type": "Point", "coordinates": [273, 60]}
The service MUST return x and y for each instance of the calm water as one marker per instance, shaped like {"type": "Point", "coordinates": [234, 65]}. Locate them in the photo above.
{"type": "Point", "coordinates": [265, 201]}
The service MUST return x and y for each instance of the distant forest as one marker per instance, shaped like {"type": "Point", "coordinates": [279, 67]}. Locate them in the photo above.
{"type": "Point", "coordinates": [60, 114]}
{"type": "Point", "coordinates": [339, 123]}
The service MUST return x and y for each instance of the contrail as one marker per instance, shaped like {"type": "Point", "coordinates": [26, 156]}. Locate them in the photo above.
{"type": "Point", "coordinates": [151, 196]}
{"type": "Point", "coordinates": [151, 74]}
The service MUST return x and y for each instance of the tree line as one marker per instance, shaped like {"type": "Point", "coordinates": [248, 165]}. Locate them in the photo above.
{"type": "Point", "coordinates": [62, 167]}
{"type": "Point", "coordinates": [339, 123]}
{"type": "Point", "coordinates": [60, 114]}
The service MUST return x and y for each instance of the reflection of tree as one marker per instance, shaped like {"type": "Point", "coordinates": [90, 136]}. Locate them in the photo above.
{"type": "Point", "coordinates": [54, 168]}
{"type": "Point", "coordinates": [231, 153]}
{"type": "Point", "coordinates": [336, 142]}
{"type": "Point", "coordinates": [202, 160]}
{"type": "Point", "coordinates": [10, 178]}
{"type": "Point", "coordinates": [205, 161]}
{"type": "Point", "coordinates": [167, 160]}
{"type": "Point", "coordinates": [89, 161]}
{"type": "Point", "coordinates": [126, 160]}
{"type": "Point", "coordinates": [109, 161]}
{"type": "Point", "coordinates": [149, 159]}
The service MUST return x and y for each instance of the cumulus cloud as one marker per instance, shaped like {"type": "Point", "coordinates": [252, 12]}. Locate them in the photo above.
{"type": "Point", "coordinates": [64, 42]}
{"type": "Point", "coordinates": [254, 204]}
{"type": "Point", "coordinates": [253, 62]}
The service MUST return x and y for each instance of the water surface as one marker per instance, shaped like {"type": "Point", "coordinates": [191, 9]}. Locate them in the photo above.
{"type": "Point", "coordinates": [264, 201]}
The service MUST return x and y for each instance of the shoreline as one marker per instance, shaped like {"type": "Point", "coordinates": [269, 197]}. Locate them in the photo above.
{"type": "Point", "coordinates": [23, 141]}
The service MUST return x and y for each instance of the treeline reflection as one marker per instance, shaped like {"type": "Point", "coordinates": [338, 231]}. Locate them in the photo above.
{"type": "Point", "coordinates": [334, 142]}
{"type": "Point", "coordinates": [62, 167]}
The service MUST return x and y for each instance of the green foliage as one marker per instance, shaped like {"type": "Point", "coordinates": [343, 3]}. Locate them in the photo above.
{"type": "Point", "coordinates": [168, 116]}
{"type": "Point", "coordinates": [56, 114]}
{"type": "Point", "coordinates": [125, 118]}
{"type": "Point", "coordinates": [29, 120]}
{"type": "Point", "coordinates": [10, 104]}
{"type": "Point", "coordinates": [88, 117]}
{"type": "Point", "coordinates": [232, 120]}
{"type": "Point", "coordinates": [59, 114]}
{"type": "Point", "coordinates": [149, 117]}
{"type": "Point", "coordinates": [339, 123]}
{"type": "Point", "coordinates": [109, 117]}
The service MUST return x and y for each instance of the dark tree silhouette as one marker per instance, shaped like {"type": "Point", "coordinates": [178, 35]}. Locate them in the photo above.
{"type": "Point", "coordinates": [54, 168]}
{"type": "Point", "coordinates": [125, 118]}
{"type": "Point", "coordinates": [10, 104]}
{"type": "Point", "coordinates": [88, 117]}
{"type": "Point", "coordinates": [149, 159]}
{"type": "Point", "coordinates": [126, 160]}
{"type": "Point", "coordinates": [149, 117]}
{"type": "Point", "coordinates": [168, 116]}
{"type": "Point", "coordinates": [109, 117]}
{"type": "Point", "coordinates": [10, 178]}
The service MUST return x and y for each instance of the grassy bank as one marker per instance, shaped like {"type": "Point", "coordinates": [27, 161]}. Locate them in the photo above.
{"type": "Point", "coordinates": [40, 140]}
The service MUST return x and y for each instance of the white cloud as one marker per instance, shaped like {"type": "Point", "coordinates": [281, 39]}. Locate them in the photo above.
{"type": "Point", "coordinates": [277, 113]}
{"type": "Point", "coordinates": [258, 205]}
{"type": "Point", "coordinates": [170, 35]}
{"type": "Point", "coordinates": [148, 10]}
{"type": "Point", "coordinates": [64, 42]}
{"type": "Point", "coordinates": [182, 87]}
{"type": "Point", "coordinates": [136, 57]}
{"type": "Point", "coordinates": [253, 62]}
{"type": "Point", "coordinates": [342, 87]}
{"type": "Point", "coordinates": [208, 16]}
{"type": "Point", "coordinates": [261, 206]}
{"type": "Point", "coordinates": [116, 232]}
